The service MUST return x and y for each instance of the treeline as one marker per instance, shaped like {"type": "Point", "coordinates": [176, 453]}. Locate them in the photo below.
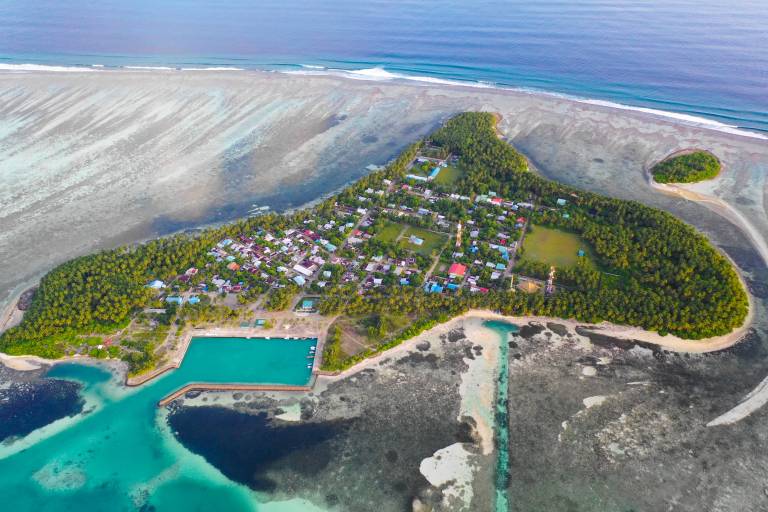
{"type": "Point", "coordinates": [687, 168]}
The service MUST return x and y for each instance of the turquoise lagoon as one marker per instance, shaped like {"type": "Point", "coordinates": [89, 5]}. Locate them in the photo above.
{"type": "Point", "coordinates": [501, 425]}
{"type": "Point", "coordinates": [120, 454]}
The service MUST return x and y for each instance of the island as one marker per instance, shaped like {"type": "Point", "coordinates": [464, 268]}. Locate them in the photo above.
{"type": "Point", "coordinates": [687, 167]}
{"type": "Point", "coordinates": [456, 222]}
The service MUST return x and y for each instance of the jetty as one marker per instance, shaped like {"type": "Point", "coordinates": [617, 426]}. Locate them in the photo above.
{"type": "Point", "coordinates": [203, 386]}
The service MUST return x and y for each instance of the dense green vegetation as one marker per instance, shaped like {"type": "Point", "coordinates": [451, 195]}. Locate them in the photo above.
{"type": "Point", "coordinates": [671, 278]}
{"type": "Point", "coordinates": [687, 168]}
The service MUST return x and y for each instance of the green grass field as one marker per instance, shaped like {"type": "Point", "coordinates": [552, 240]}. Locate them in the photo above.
{"type": "Point", "coordinates": [389, 232]}
{"type": "Point", "coordinates": [449, 175]}
{"type": "Point", "coordinates": [432, 241]}
{"type": "Point", "coordinates": [554, 247]}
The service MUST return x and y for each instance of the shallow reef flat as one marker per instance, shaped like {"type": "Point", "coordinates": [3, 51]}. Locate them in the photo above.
{"type": "Point", "coordinates": [399, 434]}
{"type": "Point", "coordinates": [28, 402]}
{"type": "Point", "coordinates": [595, 422]}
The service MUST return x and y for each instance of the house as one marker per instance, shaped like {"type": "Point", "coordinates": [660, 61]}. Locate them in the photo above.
{"type": "Point", "coordinates": [299, 280]}
{"type": "Point", "coordinates": [174, 300]}
{"type": "Point", "coordinates": [435, 288]}
{"type": "Point", "coordinates": [233, 266]}
{"type": "Point", "coordinates": [457, 270]}
{"type": "Point", "coordinates": [302, 270]}
{"type": "Point", "coordinates": [194, 300]}
{"type": "Point", "coordinates": [561, 202]}
{"type": "Point", "coordinates": [156, 284]}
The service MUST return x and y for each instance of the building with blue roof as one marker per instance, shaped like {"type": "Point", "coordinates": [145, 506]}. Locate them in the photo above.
{"type": "Point", "coordinates": [436, 288]}
{"type": "Point", "coordinates": [194, 300]}
{"type": "Point", "coordinates": [174, 300]}
{"type": "Point", "coordinates": [452, 286]}
{"type": "Point", "coordinates": [501, 266]}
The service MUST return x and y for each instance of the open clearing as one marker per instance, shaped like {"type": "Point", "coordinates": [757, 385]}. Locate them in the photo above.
{"type": "Point", "coordinates": [389, 232]}
{"type": "Point", "coordinates": [554, 247]}
{"type": "Point", "coordinates": [449, 175]}
{"type": "Point", "coordinates": [432, 241]}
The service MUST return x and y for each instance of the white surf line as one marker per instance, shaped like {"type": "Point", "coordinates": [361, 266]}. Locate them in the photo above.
{"type": "Point", "coordinates": [758, 397]}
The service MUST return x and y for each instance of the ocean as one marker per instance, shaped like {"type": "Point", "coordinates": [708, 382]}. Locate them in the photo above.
{"type": "Point", "coordinates": [704, 60]}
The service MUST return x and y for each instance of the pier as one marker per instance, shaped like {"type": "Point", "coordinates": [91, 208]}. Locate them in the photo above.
{"type": "Point", "coordinates": [202, 386]}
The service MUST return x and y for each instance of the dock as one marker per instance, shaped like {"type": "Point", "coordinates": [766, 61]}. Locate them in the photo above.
{"type": "Point", "coordinates": [203, 386]}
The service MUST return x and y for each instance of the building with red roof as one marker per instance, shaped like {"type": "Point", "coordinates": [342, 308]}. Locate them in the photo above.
{"type": "Point", "coordinates": [457, 270]}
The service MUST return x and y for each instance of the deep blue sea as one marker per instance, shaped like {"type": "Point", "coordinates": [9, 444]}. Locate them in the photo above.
{"type": "Point", "coordinates": [706, 58]}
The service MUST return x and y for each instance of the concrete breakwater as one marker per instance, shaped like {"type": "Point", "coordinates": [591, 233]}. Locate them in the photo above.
{"type": "Point", "coordinates": [202, 386]}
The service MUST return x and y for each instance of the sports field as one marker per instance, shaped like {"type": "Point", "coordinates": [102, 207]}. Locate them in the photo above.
{"type": "Point", "coordinates": [449, 175]}
{"type": "Point", "coordinates": [432, 241]}
{"type": "Point", "coordinates": [554, 247]}
{"type": "Point", "coordinates": [389, 232]}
